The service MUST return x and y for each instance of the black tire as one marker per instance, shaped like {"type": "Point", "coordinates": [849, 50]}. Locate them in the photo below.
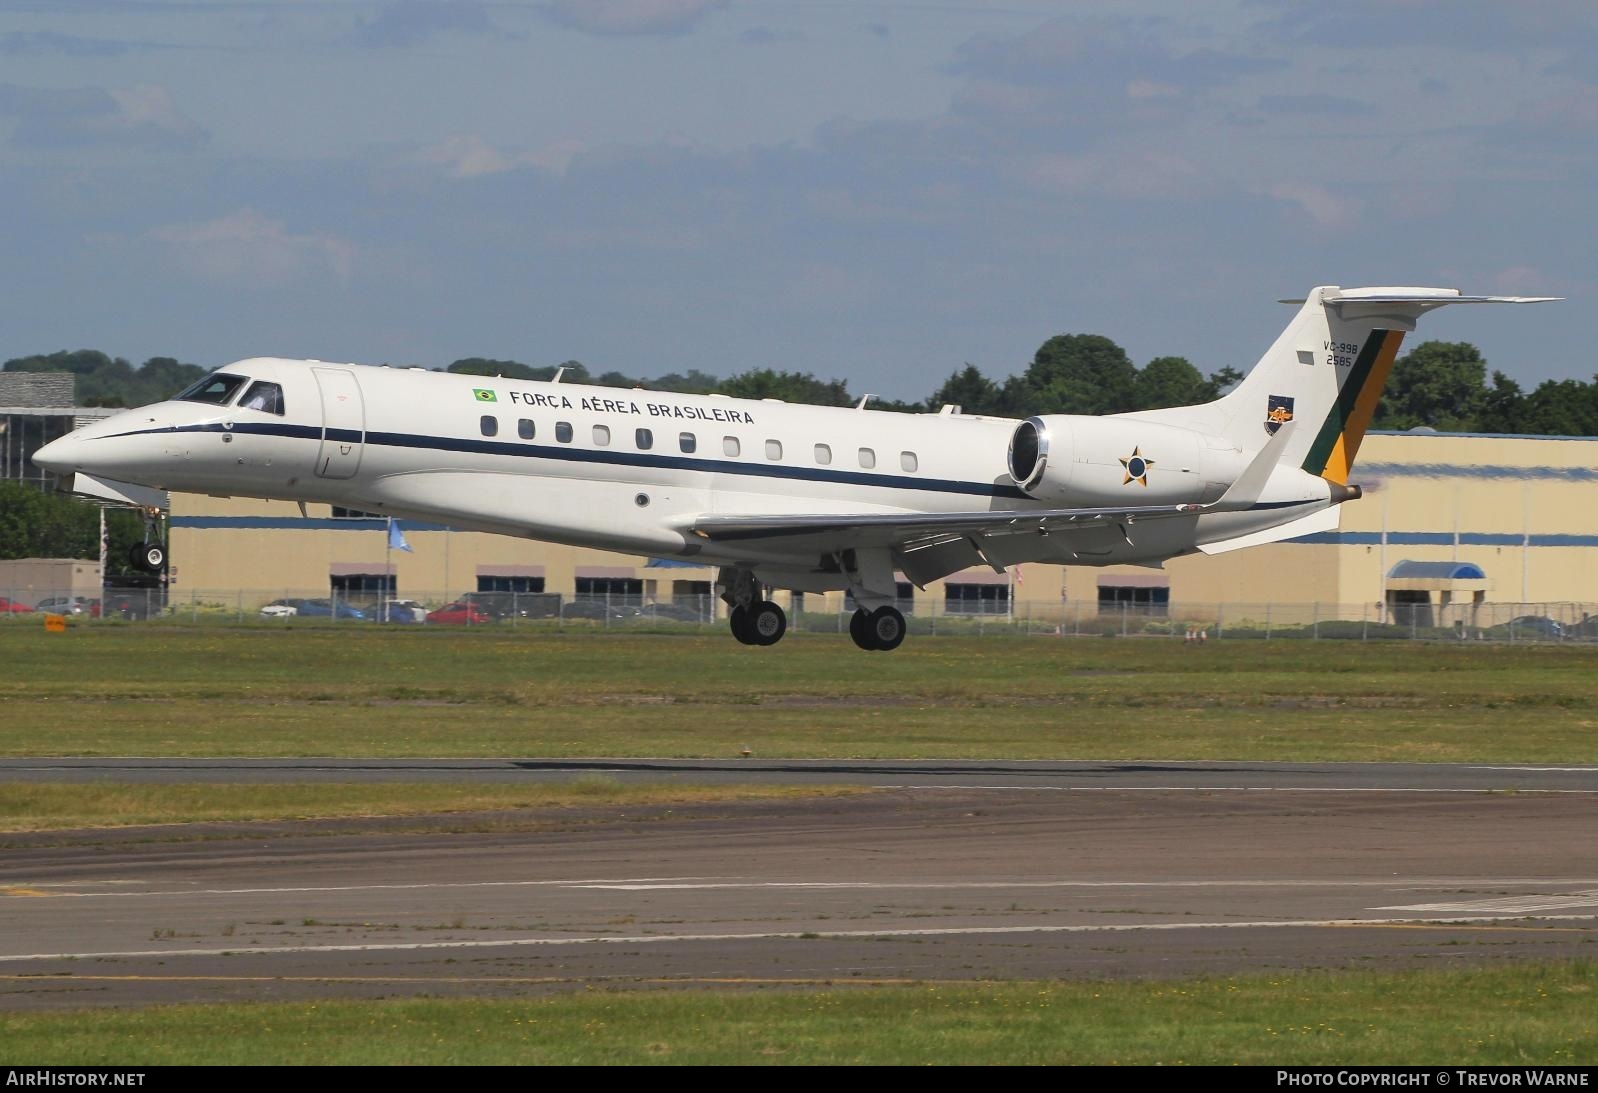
{"type": "Point", "coordinates": [154, 557]}
{"type": "Point", "coordinates": [887, 628]}
{"type": "Point", "coordinates": [739, 619]}
{"type": "Point", "coordinates": [767, 623]}
{"type": "Point", "coordinates": [860, 630]}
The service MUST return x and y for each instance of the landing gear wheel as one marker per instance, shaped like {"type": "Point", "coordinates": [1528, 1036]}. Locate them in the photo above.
{"type": "Point", "coordinates": [739, 618]}
{"type": "Point", "coordinates": [149, 557]}
{"type": "Point", "coordinates": [886, 627]}
{"type": "Point", "coordinates": [858, 623]}
{"type": "Point", "coordinates": [767, 623]}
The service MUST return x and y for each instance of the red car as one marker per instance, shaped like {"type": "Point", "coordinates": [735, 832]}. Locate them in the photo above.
{"type": "Point", "coordinates": [459, 614]}
{"type": "Point", "coordinates": [12, 607]}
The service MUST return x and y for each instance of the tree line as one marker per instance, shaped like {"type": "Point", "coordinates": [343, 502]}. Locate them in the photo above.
{"type": "Point", "coordinates": [1441, 385]}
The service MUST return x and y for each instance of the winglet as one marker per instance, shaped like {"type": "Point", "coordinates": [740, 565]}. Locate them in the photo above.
{"type": "Point", "coordinates": [1251, 483]}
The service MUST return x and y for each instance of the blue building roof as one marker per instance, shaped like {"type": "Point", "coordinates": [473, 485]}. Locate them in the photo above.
{"type": "Point", "coordinates": [1448, 571]}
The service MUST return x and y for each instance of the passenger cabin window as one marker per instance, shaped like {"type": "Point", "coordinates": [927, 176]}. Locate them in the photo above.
{"type": "Point", "coordinates": [907, 461]}
{"type": "Point", "coordinates": [490, 425]}
{"type": "Point", "coordinates": [263, 396]}
{"type": "Point", "coordinates": [601, 435]}
{"type": "Point", "coordinates": [773, 449]}
{"type": "Point", "coordinates": [868, 458]}
{"type": "Point", "coordinates": [563, 431]}
{"type": "Point", "coordinates": [218, 389]}
{"type": "Point", "coordinates": [687, 442]}
{"type": "Point", "coordinates": [729, 445]}
{"type": "Point", "coordinates": [823, 454]}
{"type": "Point", "coordinates": [524, 428]}
{"type": "Point", "coordinates": [645, 439]}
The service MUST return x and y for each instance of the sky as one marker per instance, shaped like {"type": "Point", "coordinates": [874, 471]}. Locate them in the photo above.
{"type": "Point", "coordinates": [866, 190]}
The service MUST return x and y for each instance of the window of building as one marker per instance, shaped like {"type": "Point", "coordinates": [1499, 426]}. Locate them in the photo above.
{"type": "Point", "coordinates": [976, 599]}
{"type": "Point", "coordinates": [773, 449]}
{"type": "Point", "coordinates": [645, 439]}
{"type": "Point", "coordinates": [908, 461]}
{"type": "Point", "coordinates": [354, 514]}
{"type": "Point", "coordinates": [823, 454]}
{"type": "Point", "coordinates": [263, 396]}
{"type": "Point", "coordinates": [625, 589]}
{"type": "Point", "coordinates": [524, 428]}
{"type": "Point", "coordinates": [1142, 600]}
{"type": "Point", "coordinates": [489, 424]}
{"type": "Point", "coordinates": [687, 442]}
{"type": "Point", "coordinates": [363, 584]}
{"type": "Point", "coordinates": [868, 458]}
{"type": "Point", "coordinates": [729, 445]}
{"type": "Point", "coordinates": [601, 435]}
{"type": "Point", "coordinates": [510, 584]}
{"type": "Point", "coordinates": [563, 431]}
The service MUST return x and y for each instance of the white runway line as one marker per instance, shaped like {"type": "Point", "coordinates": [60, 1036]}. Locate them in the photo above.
{"type": "Point", "coordinates": [1508, 904]}
{"type": "Point", "coordinates": [829, 935]}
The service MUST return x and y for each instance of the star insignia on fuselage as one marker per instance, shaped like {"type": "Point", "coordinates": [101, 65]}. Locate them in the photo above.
{"type": "Point", "coordinates": [1136, 468]}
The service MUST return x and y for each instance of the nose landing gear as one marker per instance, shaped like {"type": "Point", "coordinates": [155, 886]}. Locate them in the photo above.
{"type": "Point", "coordinates": [150, 555]}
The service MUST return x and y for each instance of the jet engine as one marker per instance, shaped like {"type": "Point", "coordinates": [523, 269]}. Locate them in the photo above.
{"type": "Point", "coordinates": [1074, 461]}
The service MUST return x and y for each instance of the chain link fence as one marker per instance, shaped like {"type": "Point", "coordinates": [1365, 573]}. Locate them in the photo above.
{"type": "Point", "coordinates": [1502, 622]}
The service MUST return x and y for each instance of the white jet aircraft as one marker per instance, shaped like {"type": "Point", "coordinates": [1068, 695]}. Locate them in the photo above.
{"type": "Point", "coordinates": [809, 498]}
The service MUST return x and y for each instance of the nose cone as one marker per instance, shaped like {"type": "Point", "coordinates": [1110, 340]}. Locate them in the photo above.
{"type": "Point", "coordinates": [57, 455]}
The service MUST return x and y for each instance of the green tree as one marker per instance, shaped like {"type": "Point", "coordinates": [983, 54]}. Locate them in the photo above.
{"type": "Point", "coordinates": [787, 386]}
{"type": "Point", "coordinates": [1074, 374]}
{"type": "Point", "coordinates": [36, 523]}
{"type": "Point", "coordinates": [970, 390]}
{"type": "Point", "coordinates": [112, 381]}
{"type": "Point", "coordinates": [1170, 381]}
{"type": "Point", "coordinates": [1561, 408]}
{"type": "Point", "coordinates": [1439, 384]}
{"type": "Point", "coordinates": [1503, 407]}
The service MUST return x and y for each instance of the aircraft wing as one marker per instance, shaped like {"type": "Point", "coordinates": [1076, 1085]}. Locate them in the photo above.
{"type": "Point", "coordinates": [907, 530]}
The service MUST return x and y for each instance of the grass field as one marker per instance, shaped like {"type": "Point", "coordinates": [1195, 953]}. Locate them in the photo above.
{"type": "Point", "coordinates": [274, 691]}
{"type": "Point", "coordinates": [1507, 1015]}
{"type": "Point", "coordinates": [32, 806]}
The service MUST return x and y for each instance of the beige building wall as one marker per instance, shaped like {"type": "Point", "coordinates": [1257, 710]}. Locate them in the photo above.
{"type": "Point", "coordinates": [1523, 509]}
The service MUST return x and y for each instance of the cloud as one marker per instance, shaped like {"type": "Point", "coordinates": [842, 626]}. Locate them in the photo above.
{"type": "Point", "coordinates": [629, 16]}
{"type": "Point", "coordinates": [41, 43]}
{"type": "Point", "coordinates": [1318, 104]}
{"type": "Point", "coordinates": [1325, 208]}
{"type": "Point", "coordinates": [766, 36]}
{"type": "Point", "coordinates": [140, 116]}
{"type": "Point", "coordinates": [470, 156]}
{"type": "Point", "coordinates": [406, 23]}
{"type": "Point", "coordinates": [250, 248]}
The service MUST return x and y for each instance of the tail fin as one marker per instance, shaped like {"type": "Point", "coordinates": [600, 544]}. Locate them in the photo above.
{"type": "Point", "coordinates": [1325, 373]}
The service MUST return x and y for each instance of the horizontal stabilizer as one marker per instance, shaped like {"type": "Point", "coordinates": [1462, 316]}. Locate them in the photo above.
{"type": "Point", "coordinates": [1326, 519]}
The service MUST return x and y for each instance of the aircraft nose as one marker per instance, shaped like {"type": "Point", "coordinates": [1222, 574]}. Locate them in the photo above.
{"type": "Point", "coordinates": [57, 455]}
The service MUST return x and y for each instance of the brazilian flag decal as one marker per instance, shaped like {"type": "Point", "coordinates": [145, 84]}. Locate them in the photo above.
{"type": "Point", "coordinates": [483, 394]}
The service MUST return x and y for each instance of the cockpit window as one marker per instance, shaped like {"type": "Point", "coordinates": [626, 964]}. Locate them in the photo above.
{"type": "Point", "coordinates": [263, 396]}
{"type": "Point", "coordinates": [218, 389]}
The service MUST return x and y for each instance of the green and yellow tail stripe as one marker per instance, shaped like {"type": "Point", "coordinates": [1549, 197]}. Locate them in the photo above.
{"type": "Point", "coordinates": [1332, 454]}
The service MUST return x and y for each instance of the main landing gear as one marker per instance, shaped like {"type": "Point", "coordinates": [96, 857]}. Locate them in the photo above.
{"type": "Point", "coordinates": [881, 630]}
{"type": "Point", "coordinates": [761, 623]}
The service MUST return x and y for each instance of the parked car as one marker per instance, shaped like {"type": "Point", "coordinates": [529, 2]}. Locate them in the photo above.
{"type": "Point", "coordinates": [12, 607]}
{"type": "Point", "coordinates": [398, 611]}
{"type": "Point", "coordinates": [312, 609]}
{"type": "Point", "coordinates": [135, 604]}
{"type": "Point", "coordinates": [597, 609]}
{"type": "Point", "coordinates": [1528, 628]}
{"type": "Point", "coordinates": [69, 605]}
{"type": "Point", "coordinates": [459, 613]}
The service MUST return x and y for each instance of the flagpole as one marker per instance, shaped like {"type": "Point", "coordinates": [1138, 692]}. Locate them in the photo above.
{"type": "Point", "coordinates": [388, 572]}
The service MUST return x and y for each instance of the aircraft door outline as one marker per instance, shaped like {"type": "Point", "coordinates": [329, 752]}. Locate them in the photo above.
{"type": "Point", "coordinates": [343, 423]}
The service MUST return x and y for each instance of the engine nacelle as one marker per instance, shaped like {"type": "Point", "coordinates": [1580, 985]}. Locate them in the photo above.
{"type": "Point", "coordinates": [1081, 462]}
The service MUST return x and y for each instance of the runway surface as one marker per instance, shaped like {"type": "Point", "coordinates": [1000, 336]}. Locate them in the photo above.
{"type": "Point", "coordinates": [1058, 870]}
{"type": "Point", "coordinates": [891, 773]}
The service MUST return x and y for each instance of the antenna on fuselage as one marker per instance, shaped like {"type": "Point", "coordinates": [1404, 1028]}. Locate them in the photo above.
{"type": "Point", "coordinates": [863, 400]}
{"type": "Point", "coordinates": [559, 372]}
